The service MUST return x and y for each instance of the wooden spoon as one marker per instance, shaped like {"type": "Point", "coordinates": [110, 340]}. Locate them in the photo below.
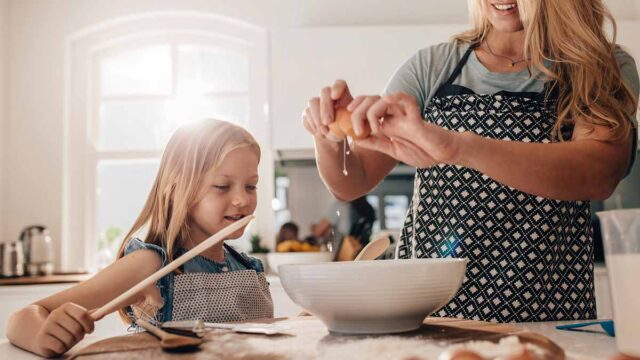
{"type": "Point", "coordinates": [170, 341]}
{"type": "Point", "coordinates": [374, 249]}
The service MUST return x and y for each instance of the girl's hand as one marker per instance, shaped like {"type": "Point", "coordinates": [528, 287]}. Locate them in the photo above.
{"type": "Point", "coordinates": [400, 132]}
{"type": "Point", "coordinates": [320, 112]}
{"type": "Point", "coordinates": [63, 328]}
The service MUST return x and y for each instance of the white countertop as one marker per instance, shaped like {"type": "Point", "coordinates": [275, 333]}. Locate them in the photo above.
{"type": "Point", "coordinates": [577, 345]}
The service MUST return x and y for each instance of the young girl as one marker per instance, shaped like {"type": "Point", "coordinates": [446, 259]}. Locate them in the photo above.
{"type": "Point", "coordinates": [206, 181]}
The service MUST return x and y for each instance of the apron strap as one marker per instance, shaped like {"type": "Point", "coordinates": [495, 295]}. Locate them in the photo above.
{"type": "Point", "coordinates": [238, 257]}
{"type": "Point", "coordinates": [460, 64]}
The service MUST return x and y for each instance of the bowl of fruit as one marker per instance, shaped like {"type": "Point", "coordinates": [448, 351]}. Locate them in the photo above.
{"type": "Point", "coordinates": [297, 252]}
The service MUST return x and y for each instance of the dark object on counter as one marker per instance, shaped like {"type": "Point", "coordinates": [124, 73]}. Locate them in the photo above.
{"type": "Point", "coordinates": [362, 217]}
{"type": "Point", "coordinates": [171, 342]}
{"type": "Point", "coordinates": [12, 258]}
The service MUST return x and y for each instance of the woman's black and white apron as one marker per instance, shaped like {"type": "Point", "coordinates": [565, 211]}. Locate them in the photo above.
{"type": "Point", "coordinates": [530, 258]}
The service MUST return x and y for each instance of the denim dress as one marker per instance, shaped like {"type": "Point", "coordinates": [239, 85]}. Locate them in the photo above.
{"type": "Point", "coordinates": [233, 290]}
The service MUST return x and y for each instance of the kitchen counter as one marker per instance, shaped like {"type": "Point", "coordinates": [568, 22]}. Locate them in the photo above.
{"type": "Point", "coordinates": [577, 345]}
{"type": "Point", "coordinates": [61, 278]}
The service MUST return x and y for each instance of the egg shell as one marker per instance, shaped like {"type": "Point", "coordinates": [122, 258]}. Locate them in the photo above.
{"type": "Point", "coordinates": [335, 129]}
{"type": "Point", "coordinates": [524, 355]}
{"type": "Point", "coordinates": [461, 354]}
{"type": "Point", "coordinates": [343, 119]}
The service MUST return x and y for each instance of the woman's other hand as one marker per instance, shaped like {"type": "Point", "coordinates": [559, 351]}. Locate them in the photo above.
{"type": "Point", "coordinates": [320, 111]}
{"type": "Point", "coordinates": [399, 131]}
{"type": "Point", "coordinates": [63, 328]}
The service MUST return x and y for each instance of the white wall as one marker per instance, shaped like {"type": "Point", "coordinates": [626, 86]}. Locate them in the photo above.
{"type": "Point", "coordinates": [32, 141]}
{"type": "Point", "coordinates": [4, 33]}
{"type": "Point", "coordinates": [305, 60]}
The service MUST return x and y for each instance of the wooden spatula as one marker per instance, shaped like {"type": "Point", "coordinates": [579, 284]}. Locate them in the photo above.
{"type": "Point", "coordinates": [170, 341]}
{"type": "Point", "coordinates": [151, 279]}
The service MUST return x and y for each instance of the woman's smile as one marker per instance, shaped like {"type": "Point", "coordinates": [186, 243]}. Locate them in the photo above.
{"type": "Point", "coordinates": [502, 8]}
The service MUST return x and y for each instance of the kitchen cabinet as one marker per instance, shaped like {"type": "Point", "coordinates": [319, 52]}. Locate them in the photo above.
{"type": "Point", "coordinates": [15, 297]}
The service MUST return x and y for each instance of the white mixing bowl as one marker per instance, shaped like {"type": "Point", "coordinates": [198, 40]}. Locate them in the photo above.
{"type": "Point", "coordinates": [275, 259]}
{"type": "Point", "coordinates": [373, 297]}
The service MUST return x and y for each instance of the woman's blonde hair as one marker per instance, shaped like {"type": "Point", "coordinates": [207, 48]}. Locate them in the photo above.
{"type": "Point", "coordinates": [192, 151]}
{"type": "Point", "coordinates": [571, 35]}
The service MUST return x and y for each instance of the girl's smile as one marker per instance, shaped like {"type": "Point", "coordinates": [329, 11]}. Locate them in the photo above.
{"type": "Point", "coordinates": [234, 218]}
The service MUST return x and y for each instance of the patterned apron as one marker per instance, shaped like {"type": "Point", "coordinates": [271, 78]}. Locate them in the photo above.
{"type": "Point", "coordinates": [222, 297]}
{"type": "Point", "coordinates": [530, 258]}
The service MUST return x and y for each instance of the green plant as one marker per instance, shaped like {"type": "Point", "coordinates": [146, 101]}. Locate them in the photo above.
{"type": "Point", "coordinates": [108, 237]}
{"type": "Point", "coordinates": [256, 248]}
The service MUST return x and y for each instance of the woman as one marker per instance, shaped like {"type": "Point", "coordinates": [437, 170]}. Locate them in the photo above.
{"type": "Point", "coordinates": [513, 127]}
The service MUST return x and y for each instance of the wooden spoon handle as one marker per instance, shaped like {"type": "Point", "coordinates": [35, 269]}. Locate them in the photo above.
{"type": "Point", "coordinates": [151, 279]}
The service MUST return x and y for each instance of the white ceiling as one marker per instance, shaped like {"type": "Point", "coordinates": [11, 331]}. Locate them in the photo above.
{"type": "Point", "coordinates": [273, 14]}
{"type": "Point", "coordinates": [398, 12]}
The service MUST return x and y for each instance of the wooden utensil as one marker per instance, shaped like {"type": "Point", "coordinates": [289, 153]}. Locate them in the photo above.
{"type": "Point", "coordinates": [374, 249]}
{"type": "Point", "coordinates": [151, 279]}
{"type": "Point", "coordinates": [348, 248]}
{"type": "Point", "coordinates": [170, 341]}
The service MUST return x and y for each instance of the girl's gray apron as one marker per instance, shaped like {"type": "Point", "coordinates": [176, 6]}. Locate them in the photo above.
{"type": "Point", "coordinates": [531, 258]}
{"type": "Point", "coordinates": [222, 297]}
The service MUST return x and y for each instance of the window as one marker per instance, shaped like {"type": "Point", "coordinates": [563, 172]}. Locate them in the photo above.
{"type": "Point", "coordinates": [391, 199]}
{"type": "Point", "coordinates": [135, 88]}
{"type": "Point", "coordinates": [391, 214]}
{"type": "Point", "coordinates": [145, 93]}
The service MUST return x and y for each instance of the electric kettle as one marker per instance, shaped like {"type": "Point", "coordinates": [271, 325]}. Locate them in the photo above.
{"type": "Point", "coordinates": [38, 249]}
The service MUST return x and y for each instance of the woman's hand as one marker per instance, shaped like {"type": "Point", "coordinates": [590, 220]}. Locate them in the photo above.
{"type": "Point", "coordinates": [320, 111]}
{"type": "Point", "coordinates": [399, 131]}
{"type": "Point", "coordinates": [63, 328]}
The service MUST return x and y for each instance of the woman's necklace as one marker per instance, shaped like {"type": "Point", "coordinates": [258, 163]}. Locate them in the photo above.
{"type": "Point", "coordinates": [513, 61]}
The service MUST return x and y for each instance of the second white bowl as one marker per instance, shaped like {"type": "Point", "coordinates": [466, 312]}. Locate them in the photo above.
{"type": "Point", "coordinates": [275, 259]}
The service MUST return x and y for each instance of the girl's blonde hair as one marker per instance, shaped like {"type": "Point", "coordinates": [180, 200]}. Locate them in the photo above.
{"type": "Point", "coordinates": [571, 35]}
{"type": "Point", "coordinates": [192, 151]}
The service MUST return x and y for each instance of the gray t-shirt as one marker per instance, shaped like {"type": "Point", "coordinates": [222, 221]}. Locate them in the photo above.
{"type": "Point", "coordinates": [423, 73]}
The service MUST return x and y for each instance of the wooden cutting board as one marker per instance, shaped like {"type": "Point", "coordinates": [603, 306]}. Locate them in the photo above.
{"type": "Point", "coordinates": [309, 339]}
